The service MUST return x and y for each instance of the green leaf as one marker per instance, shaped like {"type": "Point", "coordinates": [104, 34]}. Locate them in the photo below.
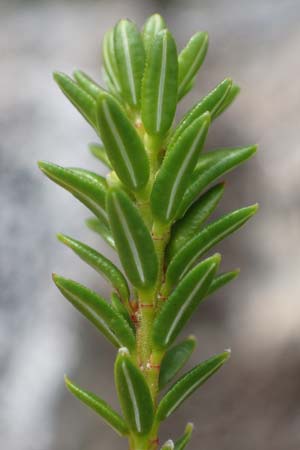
{"type": "Point", "coordinates": [175, 172]}
{"type": "Point", "coordinates": [211, 166]}
{"type": "Point", "coordinates": [97, 311]}
{"type": "Point", "coordinates": [186, 228]}
{"type": "Point", "coordinates": [174, 359]}
{"type": "Point", "coordinates": [187, 89]}
{"type": "Point", "coordinates": [190, 60]}
{"type": "Point", "coordinates": [183, 301]}
{"type": "Point", "coordinates": [88, 84]}
{"type": "Point", "coordinates": [88, 187]}
{"type": "Point", "coordinates": [169, 445]}
{"type": "Point", "coordinates": [82, 101]}
{"type": "Point", "coordinates": [153, 25]}
{"type": "Point", "coordinates": [229, 99]}
{"type": "Point", "coordinates": [210, 103]}
{"type": "Point", "coordinates": [120, 307]}
{"type": "Point", "coordinates": [100, 153]}
{"type": "Point", "coordinates": [124, 147]}
{"type": "Point", "coordinates": [100, 263]}
{"type": "Point", "coordinates": [111, 417]}
{"type": "Point", "coordinates": [134, 394]}
{"type": "Point", "coordinates": [159, 89]}
{"type": "Point", "coordinates": [130, 57]}
{"type": "Point", "coordinates": [222, 279]}
{"type": "Point", "coordinates": [133, 240]}
{"type": "Point", "coordinates": [109, 61]}
{"type": "Point", "coordinates": [204, 240]}
{"type": "Point", "coordinates": [188, 383]}
{"type": "Point", "coordinates": [182, 442]}
{"type": "Point", "coordinates": [102, 229]}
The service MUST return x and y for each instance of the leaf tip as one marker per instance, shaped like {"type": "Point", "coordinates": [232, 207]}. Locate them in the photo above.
{"type": "Point", "coordinates": [123, 351]}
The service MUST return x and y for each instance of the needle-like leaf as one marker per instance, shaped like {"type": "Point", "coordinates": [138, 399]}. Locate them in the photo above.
{"type": "Point", "coordinates": [133, 240]}
{"type": "Point", "coordinates": [130, 57]}
{"type": "Point", "coordinates": [124, 147]}
{"type": "Point", "coordinates": [183, 301]}
{"type": "Point", "coordinates": [153, 25]}
{"type": "Point", "coordinates": [186, 228]}
{"type": "Point", "coordinates": [100, 263]}
{"type": "Point", "coordinates": [101, 228]}
{"type": "Point", "coordinates": [174, 175]}
{"type": "Point", "coordinates": [159, 89]}
{"type": "Point", "coordinates": [134, 394]}
{"type": "Point", "coordinates": [209, 168]}
{"type": "Point", "coordinates": [182, 442]}
{"type": "Point", "coordinates": [187, 384]}
{"type": "Point", "coordinates": [190, 60]}
{"type": "Point", "coordinates": [86, 186]}
{"type": "Point", "coordinates": [111, 417]}
{"type": "Point", "coordinates": [203, 241]}
{"type": "Point", "coordinates": [174, 359]}
{"type": "Point", "coordinates": [98, 311]}
{"type": "Point", "coordinates": [82, 101]}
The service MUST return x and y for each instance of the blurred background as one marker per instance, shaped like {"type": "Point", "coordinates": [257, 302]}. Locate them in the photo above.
{"type": "Point", "coordinates": [254, 402]}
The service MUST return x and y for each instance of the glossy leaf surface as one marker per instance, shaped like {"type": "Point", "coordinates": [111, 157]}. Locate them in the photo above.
{"type": "Point", "coordinates": [182, 442]}
{"type": "Point", "coordinates": [111, 417]}
{"type": "Point", "coordinates": [98, 311]}
{"type": "Point", "coordinates": [153, 25]}
{"type": "Point", "coordinates": [210, 103]}
{"type": "Point", "coordinates": [102, 229]}
{"type": "Point", "coordinates": [134, 394]}
{"type": "Point", "coordinates": [174, 359]}
{"type": "Point", "coordinates": [209, 168]}
{"type": "Point", "coordinates": [229, 99]}
{"type": "Point", "coordinates": [187, 384]}
{"type": "Point", "coordinates": [183, 301]}
{"type": "Point", "coordinates": [133, 240]}
{"type": "Point", "coordinates": [186, 228]}
{"type": "Point", "coordinates": [87, 83]}
{"type": "Point", "coordinates": [221, 280]}
{"type": "Point", "coordinates": [130, 57]}
{"type": "Point", "coordinates": [174, 174]}
{"type": "Point", "coordinates": [190, 60]}
{"type": "Point", "coordinates": [100, 263]}
{"type": "Point", "coordinates": [109, 60]}
{"type": "Point", "coordinates": [86, 186]}
{"type": "Point", "coordinates": [82, 101]}
{"type": "Point", "coordinates": [159, 89]}
{"type": "Point", "coordinates": [204, 240]}
{"type": "Point", "coordinates": [100, 153]}
{"type": "Point", "coordinates": [124, 147]}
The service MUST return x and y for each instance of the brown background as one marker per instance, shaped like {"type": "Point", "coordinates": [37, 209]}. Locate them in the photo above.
{"type": "Point", "coordinates": [253, 403]}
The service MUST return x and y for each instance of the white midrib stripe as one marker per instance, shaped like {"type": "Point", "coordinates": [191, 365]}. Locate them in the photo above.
{"type": "Point", "coordinates": [109, 65]}
{"type": "Point", "coordinates": [120, 144]}
{"type": "Point", "coordinates": [182, 169]}
{"type": "Point", "coordinates": [218, 104]}
{"type": "Point", "coordinates": [130, 240]}
{"type": "Point", "coordinates": [218, 238]}
{"type": "Point", "coordinates": [186, 304]}
{"type": "Point", "coordinates": [161, 87]}
{"type": "Point", "coordinates": [128, 63]}
{"type": "Point", "coordinates": [132, 397]}
{"type": "Point", "coordinates": [86, 197]}
{"type": "Point", "coordinates": [189, 391]}
{"type": "Point", "coordinates": [191, 69]}
{"type": "Point", "coordinates": [95, 316]}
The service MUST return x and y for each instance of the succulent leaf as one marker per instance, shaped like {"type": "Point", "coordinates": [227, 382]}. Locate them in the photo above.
{"type": "Point", "coordinates": [174, 359]}
{"type": "Point", "coordinates": [111, 417]}
{"type": "Point", "coordinates": [153, 25]}
{"type": "Point", "coordinates": [159, 87]}
{"type": "Point", "coordinates": [182, 442]}
{"type": "Point", "coordinates": [86, 83]}
{"type": "Point", "coordinates": [174, 174]}
{"type": "Point", "coordinates": [221, 280]}
{"type": "Point", "coordinates": [188, 383]}
{"type": "Point", "coordinates": [134, 394]}
{"type": "Point", "coordinates": [109, 60]}
{"type": "Point", "coordinates": [133, 240]}
{"type": "Point", "coordinates": [100, 153]}
{"type": "Point", "coordinates": [190, 60]}
{"type": "Point", "coordinates": [100, 227]}
{"type": "Point", "coordinates": [98, 311]}
{"type": "Point", "coordinates": [183, 301]}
